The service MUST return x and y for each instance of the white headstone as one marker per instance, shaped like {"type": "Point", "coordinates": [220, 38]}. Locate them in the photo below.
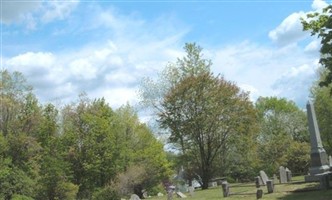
{"type": "Point", "coordinates": [181, 195]}
{"type": "Point", "coordinates": [282, 175]}
{"type": "Point", "coordinates": [263, 176]}
{"type": "Point", "coordinates": [134, 197]}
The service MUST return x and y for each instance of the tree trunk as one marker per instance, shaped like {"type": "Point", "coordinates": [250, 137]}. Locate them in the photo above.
{"type": "Point", "coordinates": [205, 179]}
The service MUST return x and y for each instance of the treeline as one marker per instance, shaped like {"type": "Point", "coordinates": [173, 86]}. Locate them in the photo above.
{"type": "Point", "coordinates": [85, 150]}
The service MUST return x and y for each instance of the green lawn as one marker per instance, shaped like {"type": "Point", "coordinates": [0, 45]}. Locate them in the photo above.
{"type": "Point", "coordinates": [248, 192]}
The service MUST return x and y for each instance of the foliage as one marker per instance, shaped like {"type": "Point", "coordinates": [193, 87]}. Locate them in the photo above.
{"type": "Point", "coordinates": [282, 125]}
{"type": "Point", "coordinates": [107, 193]}
{"type": "Point", "coordinates": [321, 24]}
{"type": "Point", "coordinates": [74, 152]}
{"type": "Point", "coordinates": [203, 113]}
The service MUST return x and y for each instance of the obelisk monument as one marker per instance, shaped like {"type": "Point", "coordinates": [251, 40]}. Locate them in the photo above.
{"type": "Point", "coordinates": [318, 156]}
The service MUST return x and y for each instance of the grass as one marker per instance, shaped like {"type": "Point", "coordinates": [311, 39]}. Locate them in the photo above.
{"type": "Point", "coordinates": [296, 190]}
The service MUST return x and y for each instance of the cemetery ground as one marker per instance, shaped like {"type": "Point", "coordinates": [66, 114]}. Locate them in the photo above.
{"type": "Point", "coordinates": [298, 189]}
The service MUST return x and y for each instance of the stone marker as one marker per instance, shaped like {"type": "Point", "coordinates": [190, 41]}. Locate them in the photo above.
{"type": "Point", "coordinates": [324, 181]}
{"type": "Point", "coordinates": [330, 161]}
{"type": "Point", "coordinates": [259, 194]}
{"type": "Point", "coordinates": [257, 181]}
{"type": "Point", "coordinates": [225, 188]}
{"type": "Point", "coordinates": [282, 175]}
{"type": "Point", "coordinates": [263, 177]}
{"type": "Point", "coordinates": [181, 195]}
{"type": "Point", "coordinates": [160, 194]}
{"type": "Point", "coordinates": [134, 197]}
{"type": "Point", "coordinates": [318, 156]}
{"type": "Point", "coordinates": [288, 175]}
{"type": "Point", "coordinates": [191, 190]}
{"type": "Point", "coordinates": [170, 192]}
{"type": "Point", "coordinates": [270, 187]}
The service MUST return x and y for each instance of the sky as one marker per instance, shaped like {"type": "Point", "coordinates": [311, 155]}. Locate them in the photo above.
{"type": "Point", "coordinates": [105, 48]}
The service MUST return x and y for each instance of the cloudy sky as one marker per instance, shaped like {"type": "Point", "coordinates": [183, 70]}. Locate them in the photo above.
{"type": "Point", "coordinates": [105, 48]}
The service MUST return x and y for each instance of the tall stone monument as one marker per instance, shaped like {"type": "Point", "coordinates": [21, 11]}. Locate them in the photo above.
{"type": "Point", "coordinates": [318, 156]}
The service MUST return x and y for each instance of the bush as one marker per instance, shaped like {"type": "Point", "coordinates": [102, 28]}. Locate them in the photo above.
{"type": "Point", "coordinates": [106, 193]}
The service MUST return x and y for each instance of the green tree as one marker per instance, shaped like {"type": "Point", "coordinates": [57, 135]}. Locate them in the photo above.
{"type": "Point", "coordinates": [18, 104]}
{"type": "Point", "coordinates": [283, 129]}
{"type": "Point", "coordinates": [320, 24]}
{"type": "Point", "coordinates": [203, 113]}
{"type": "Point", "coordinates": [90, 144]}
{"type": "Point", "coordinates": [144, 160]}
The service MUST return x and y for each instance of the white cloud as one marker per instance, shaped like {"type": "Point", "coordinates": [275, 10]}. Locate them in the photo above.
{"type": "Point", "coordinates": [319, 5]}
{"type": "Point", "coordinates": [82, 69]}
{"type": "Point", "coordinates": [313, 46]}
{"type": "Point", "coordinates": [110, 68]}
{"type": "Point", "coordinates": [289, 31]}
{"type": "Point", "coordinates": [260, 69]}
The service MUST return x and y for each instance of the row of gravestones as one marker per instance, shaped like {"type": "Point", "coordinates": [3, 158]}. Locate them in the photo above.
{"type": "Point", "coordinates": [285, 175]}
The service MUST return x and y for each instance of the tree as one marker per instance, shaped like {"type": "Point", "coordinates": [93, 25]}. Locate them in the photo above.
{"type": "Point", "coordinates": [144, 160]}
{"type": "Point", "coordinates": [18, 104]}
{"type": "Point", "coordinates": [203, 114]}
{"type": "Point", "coordinates": [321, 24]}
{"type": "Point", "coordinates": [283, 133]}
{"type": "Point", "coordinates": [152, 91]}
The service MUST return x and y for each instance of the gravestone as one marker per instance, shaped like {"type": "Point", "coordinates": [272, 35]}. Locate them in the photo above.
{"type": "Point", "coordinates": [170, 191]}
{"type": "Point", "coordinates": [330, 161]}
{"type": "Point", "coordinates": [259, 194]}
{"type": "Point", "coordinates": [288, 175]}
{"type": "Point", "coordinates": [318, 156]}
{"type": "Point", "coordinates": [181, 195]}
{"type": "Point", "coordinates": [324, 181]}
{"type": "Point", "coordinates": [263, 177]}
{"type": "Point", "coordinates": [191, 190]}
{"type": "Point", "coordinates": [225, 188]}
{"type": "Point", "coordinates": [160, 194]}
{"type": "Point", "coordinates": [282, 175]}
{"type": "Point", "coordinates": [134, 197]}
{"type": "Point", "coordinates": [257, 181]}
{"type": "Point", "coordinates": [270, 187]}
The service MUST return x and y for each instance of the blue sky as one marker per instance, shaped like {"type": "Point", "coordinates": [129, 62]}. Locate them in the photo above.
{"type": "Point", "coordinates": [105, 48]}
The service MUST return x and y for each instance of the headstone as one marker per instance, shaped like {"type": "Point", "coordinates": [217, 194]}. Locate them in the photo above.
{"type": "Point", "coordinates": [225, 188]}
{"type": "Point", "coordinates": [288, 175]}
{"type": "Point", "coordinates": [270, 186]}
{"type": "Point", "coordinates": [324, 181]}
{"type": "Point", "coordinates": [213, 184]}
{"type": "Point", "coordinates": [191, 190]}
{"type": "Point", "coordinates": [330, 161]}
{"type": "Point", "coordinates": [160, 194]}
{"type": "Point", "coordinates": [181, 195]}
{"type": "Point", "coordinates": [170, 191]}
{"type": "Point", "coordinates": [259, 194]}
{"type": "Point", "coordinates": [282, 175]}
{"type": "Point", "coordinates": [134, 197]}
{"type": "Point", "coordinates": [318, 156]}
{"type": "Point", "coordinates": [263, 176]}
{"type": "Point", "coordinates": [257, 181]}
